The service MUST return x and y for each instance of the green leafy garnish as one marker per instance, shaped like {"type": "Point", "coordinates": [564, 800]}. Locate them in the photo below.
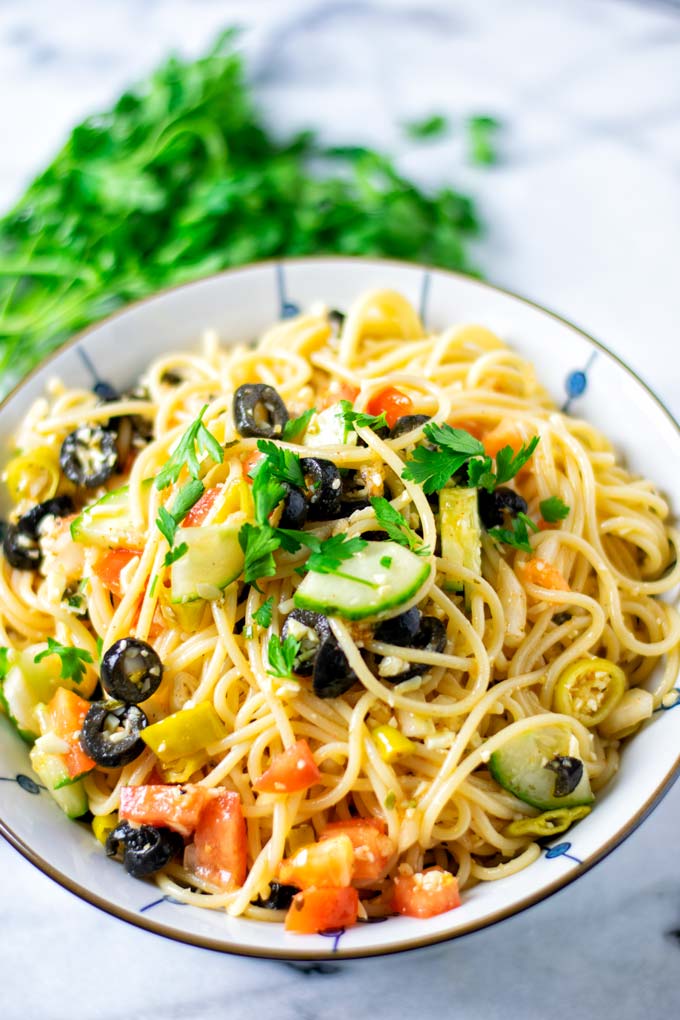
{"type": "Point", "coordinates": [175, 554]}
{"type": "Point", "coordinates": [280, 464]}
{"type": "Point", "coordinates": [518, 537]}
{"type": "Point", "coordinates": [184, 455]}
{"type": "Point", "coordinates": [167, 525]}
{"type": "Point", "coordinates": [295, 428]}
{"type": "Point", "coordinates": [72, 659]}
{"type": "Point", "coordinates": [553, 509]}
{"type": "Point", "coordinates": [396, 526]}
{"type": "Point", "coordinates": [258, 545]}
{"type": "Point", "coordinates": [331, 553]}
{"type": "Point", "coordinates": [433, 468]}
{"type": "Point", "coordinates": [481, 139]}
{"type": "Point", "coordinates": [281, 655]}
{"type": "Point", "coordinates": [390, 800]}
{"type": "Point", "coordinates": [263, 615]}
{"type": "Point", "coordinates": [4, 662]}
{"type": "Point", "coordinates": [509, 463]}
{"type": "Point", "coordinates": [429, 127]}
{"type": "Point", "coordinates": [352, 418]}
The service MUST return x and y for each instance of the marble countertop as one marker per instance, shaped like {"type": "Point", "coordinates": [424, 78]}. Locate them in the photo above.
{"type": "Point", "coordinates": [583, 214]}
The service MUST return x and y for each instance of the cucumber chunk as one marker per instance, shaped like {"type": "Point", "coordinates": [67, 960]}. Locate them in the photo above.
{"type": "Point", "coordinates": [379, 578]}
{"type": "Point", "coordinates": [520, 767]}
{"type": "Point", "coordinates": [108, 522]}
{"type": "Point", "coordinates": [327, 428]}
{"type": "Point", "coordinates": [25, 685]}
{"type": "Point", "coordinates": [50, 769]}
{"type": "Point", "coordinates": [461, 534]}
{"type": "Point", "coordinates": [213, 560]}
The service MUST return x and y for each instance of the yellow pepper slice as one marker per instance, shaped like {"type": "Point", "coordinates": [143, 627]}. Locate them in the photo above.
{"type": "Point", "coordinates": [550, 823]}
{"type": "Point", "coordinates": [391, 743]}
{"type": "Point", "coordinates": [589, 689]}
{"type": "Point", "coordinates": [182, 770]}
{"type": "Point", "coordinates": [102, 825]}
{"type": "Point", "coordinates": [184, 733]}
{"type": "Point", "coordinates": [33, 475]}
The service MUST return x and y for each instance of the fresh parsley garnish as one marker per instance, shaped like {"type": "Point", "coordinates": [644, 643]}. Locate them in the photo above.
{"type": "Point", "coordinates": [175, 554]}
{"type": "Point", "coordinates": [553, 509]}
{"type": "Point", "coordinates": [481, 139]}
{"type": "Point", "coordinates": [72, 659]}
{"type": "Point", "coordinates": [281, 655]}
{"type": "Point", "coordinates": [509, 463]}
{"type": "Point", "coordinates": [263, 615]}
{"type": "Point", "coordinates": [352, 418]}
{"type": "Point", "coordinates": [429, 127]}
{"type": "Point", "coordinates": [184, 454]}
{"type": "Point", "coordinates": [295, 428]}
{"type": "Point", "coordinates": [396, 526]}
{"type": "Point", "coordinates": [518, 537]}
{"type": "Point", "coordinates": [258, 543]}
{"type": "Point", "coordinates": [167, 525]}
{"type": "Point", "coordinates": [332, 552]}
{"type": "Point", "coordinates": [168, 521]}
{"type": "Point", "coordinates": [281, 464]}
{"type": "Point", "coordinates": [4, 662]}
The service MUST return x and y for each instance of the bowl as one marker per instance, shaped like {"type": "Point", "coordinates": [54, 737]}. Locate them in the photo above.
{"type": "Point", "coordinates": [583, 377]}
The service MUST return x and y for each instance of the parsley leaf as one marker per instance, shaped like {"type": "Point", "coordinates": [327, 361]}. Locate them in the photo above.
{"type": "Point", "coordinates": [281, 464]}
{"type": "Point", "coordinates": [168, 521]}
{"type": "Point", "coordinates": [281, 655]}
{"type": "Point", "coordinates": [166, 524]}
{"type": "Point", "coordinates": [295, 428]}
{"type": "Point", "coordinates": [481, 474]}
{"type": "Point", "coordinates": [352, 418]}
{"type": "Point", "coordinates": [518, 537]}
{"type": "Point", "coordinates": [429, 127]}
{"type": "Point", "coordinates": [258, 544]}
{"type": "Point", "coordinates": [4, 662]}
{"type": "Point", "coordinates": [433, 468]}
{"type": "Point", "coordinates": [175, 554]}
{"type": "Point", "coordinates": [72, 659]}
{"type": "Point", "coordinates": [184, 455]}
{"type": "Point", "coordinates": [481, 132]}
{"type": "Point", "coordinates": [508, 463]}
{"type": "Point", "coordinates": [396, 526]}
{"type": "Point", "coordinates": [553, 509]}
{"type": "Point", "coordinates": [263, 616]}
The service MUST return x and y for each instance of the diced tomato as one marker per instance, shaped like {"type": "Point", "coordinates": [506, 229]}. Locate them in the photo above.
{"type": "Point", "coordinates": [538, 571]}
{"type": "Point", "coordinates": [393, 402]}
{"type": "Point", "coordinates": [200, 510]}
{"type": "Point", "coordinates": [220, 843]}
{"type": "Point", "coordinates": [322, 865]}
{"type": "Point", "coordinates": [171, 807]}
{"type": "Point", "coordinates": [336, 392]}
{"type": "Point", "coordinates": [506, 433]}
{"type": "Point", "coordinates": [290, 771]}
{"type": "Point", "coordinates": [372, 848]}
{"type": "Point", "coordinates": [315, 910]}
{"type": "Point", "coordinates": [65, 714]}
{"type": "Point", "coordinates": [109, 567]}
{"type": "Point", "coordinates": [426, 893]}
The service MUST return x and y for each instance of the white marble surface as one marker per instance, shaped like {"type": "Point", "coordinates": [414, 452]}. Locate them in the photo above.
{"type": "Point", "coordinates": [584, 216]}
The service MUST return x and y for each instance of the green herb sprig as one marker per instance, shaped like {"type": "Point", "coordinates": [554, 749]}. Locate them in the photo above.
{"type": "Point", "coordinates": [72, 659]}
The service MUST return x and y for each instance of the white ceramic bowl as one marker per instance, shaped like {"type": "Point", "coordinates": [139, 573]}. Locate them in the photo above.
{"type": "Point", "coordinates": [239, 305]}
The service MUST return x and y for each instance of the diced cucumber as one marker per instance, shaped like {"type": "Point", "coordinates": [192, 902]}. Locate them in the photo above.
{"type": "Point", "coordinates": [461, 534]}
{"type": "Point", "coordinates": [108, 522]}
{"type": "Point", "coordinates": [25, 685]}
{"type": "Point", "coordinates": [50, 769]}
{"type": "Point", "coordinates": [520, 767]}
{"type": "Point", "coordinates": [327, 428]}
{"type": "Point", "coordinates": [379, 578]}
{"type": "Point", "coordinates": [213, 560]}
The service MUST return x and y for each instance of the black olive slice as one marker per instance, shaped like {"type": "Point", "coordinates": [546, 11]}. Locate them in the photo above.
{"type": "Point", "coordinates": [568, 774]}
{"type": "Point", "coordinates": [407, 423]}
{"type": "Point", "coordinates": [493, 505]}
{"type": "Point", "coordinates": [259, 411]}
{"type": "Point", "coordinates": [110, 733]}
{"type": "Point", "coordinates": [310, 629]}
{"type": "Point", "coordinates": [430, 636]}
{"type": "Point", "coordinates": [89, 456]}
{"type": "Point", "coordinates": [21, 543]}
{"type": "Point", "coordinates": [131, 671]}
{"type": "Point", "coordinates": [294, 509]}
{"type": "Point", "coordinates": [332, 673]}
{"type": "Point", "coordinates": [399, 630]}
{"type": "Point", "coordinates": [146, 849]}
{"type": "Point", "coordinates": [59, 506]}
{"type": "Point", "coordinates": [324, 488]}
{"type": "Point", "coordinates": [279, 897]}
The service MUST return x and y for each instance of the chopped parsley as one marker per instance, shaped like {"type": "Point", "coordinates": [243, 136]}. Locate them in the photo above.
{"type": "Point", "coordinates": [390, 800]}
{"type": "Point", "coordinates": [396, 526]}
{"type": "Point", "coordinates": [258, 543]}
{"type": "Point", "coordinates": [386, 561]}
{"type": "Point", "coordinates": [281, 655]}
{"type": "Point", "coordinates": [168, 521]}
{"type": "Point", "coordinates": [352, 418]}
{"type": "Point", "coordinates": [428, 127]}
{"type": "Point", "coordinates": [481, 139]}
{"type": "Point", "coordinates": [518, 537]}
{"type": "Point", "coordinates": [72, 659]}
{"type": "Point", "coordinates": [4, 662]}
{"type": "Point", "coordinates": [295, 429]}
{"type": "Point", "coordinates": [263, 615]}
{"type": "Point", "coordinates": [280, 464]}
{"type": "Point", "coordinates": [184, 455]}
{"type": "Point", "coordinates": [553, 509]}
{"type": "Point", "coordinates": [175, 554]}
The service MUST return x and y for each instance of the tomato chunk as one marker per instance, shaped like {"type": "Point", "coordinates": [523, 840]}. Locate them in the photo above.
{"type": "Point", "coordinates": [325, 865]}
{"type": "Point", "coordinates": [290, 771]}
{"type": "Point", "coordinates": [425, 894]}
{"type": "Point", "coordinates": [315, 910]}
{"type": "Point", "coordinates": [201, 509]}
{"type": "Point", "coordinates": [65, 713]}
{"type": "Point", "coordinates": [538, 571]}
{"type": "Point", "coordinates": [220, 842]}
{"type": "Point", "coordinates": [109, 566]}
{"type": "Point", "coordinates": [170, 807]}
{"type": "Point", "coordinates": [372, 848]}
{"type": "Point", "coordinates": [393, 402]}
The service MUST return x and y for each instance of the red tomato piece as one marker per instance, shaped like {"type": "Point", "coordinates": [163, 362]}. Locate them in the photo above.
{"type": "Point", "coordinates": [336, 392]}
{"type": "Point", "coordinates": [315, 910]}
{"type": "Point", "coordinates": [220, 842]}
{"type": "Point", "coordinates": [323, 865]}
{"type": "Point", "coordinates": [425, 894]}
{"type": "Point", "coordinates": [249, 463]}
{"type": "Point", "coordinates": [290, 771]}
{"type": "Point", "coordinates": [372, 848]}
{"type": "Point", "coordinates": [66, 712]}
{"type": "Point", "coordinates": [171, 807]}
{"type": "Point", "coordinates": [200, 510]}
{"type": "Point", "coordinates": [108, 568]}
{"type": "Point", "coordinates": [393, 402]}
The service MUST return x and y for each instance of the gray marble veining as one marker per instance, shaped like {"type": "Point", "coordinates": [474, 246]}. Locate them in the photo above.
{"type": "Point", "coordinates": [583, 215]}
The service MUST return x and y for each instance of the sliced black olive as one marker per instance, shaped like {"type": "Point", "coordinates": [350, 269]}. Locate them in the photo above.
{"type": "Point", "coordinates": [333, 675]}
{"type": "Point", "coordinates": [568, 774]}
{"type": "Point", "coordinates": [294, 509]}
{"type": "Point", "coordinates": [131, 671]}
{"type": "Point", "coordinates": [375, 536]}
{"type": "Point", "coordinates": [279, 897]}
{"type": "Point", "coordinates": [407, 423]}
{"type": "Point", "coordinates": [560, 618]}
{"type": "Point", "coordinates": [21, 543]}
{"type": "Point", "coordinates": [399, 630]}
{"type": "Point", "coordinates": [430, 637]}
{"type": "Point", "coordinates": [259, 411]}
{"type": "Point", "coordinates": [323, 486]}
{"type": "Point", "coordinates": [310, 629]}
{"type": "Point", "coordinates": [89, 455]}
{"type": "Point", "coordinates": [110, 733]}
{"type": "Point", "coordinates": [171, 378]}
{"type": "Point", "coordinates": [493, 505]}
{"type": "Point", "coordinates": [146, 849]}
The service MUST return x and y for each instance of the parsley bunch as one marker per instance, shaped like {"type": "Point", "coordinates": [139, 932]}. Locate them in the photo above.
{"type": "Point", "coordinates": [72, 659]}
